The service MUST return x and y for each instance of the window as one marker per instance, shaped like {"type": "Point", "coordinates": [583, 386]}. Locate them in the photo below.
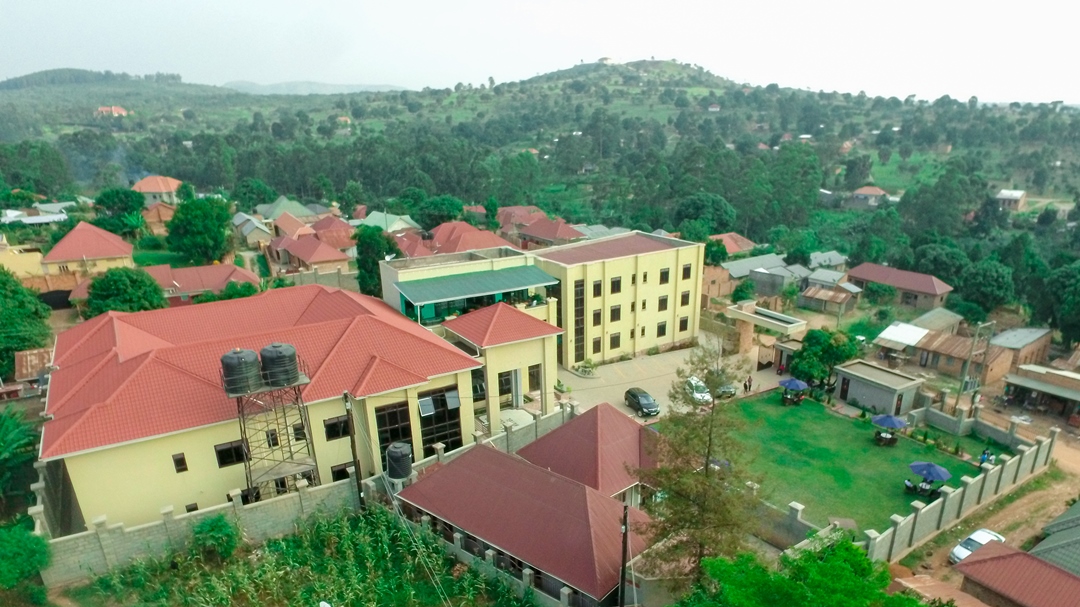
{"type": "Point", "coordinates": [644, 277]}
{"type": "Point", "coordinates": [64, 269]}
{"type": "Point", "coordinates": [281, 485]}
{"type": "Point", "coordinates": [616, 313]}
{"type": "Point", "coordinates": [506, 383]}
{"type": "Point", "coordinates": [616, 285]}
{"type": "Point", "coordinates": [597, 345]}
{"type": "Point", "coordinates": [616, 341]}
{"type": "Point", "coordinates": [686, 271]}
{"type": "Point", "coordinates": [340, 472]}
{"type": "Point", "coordinates": [597, 317]}
{"type": "Point", "coordinates": [534, 378]}
{"type": "Point", "coordinates": [665, 276]}
{"type": "Point", "coordinates": [642, 332]}
{"type": "Point", "coordinates": [661, 329]}
{"type": "Point", "coordinates": [597, 288]}
{"type": "Point", "coordinates": [684, 299]}
{"type": "Point", "coordinates": [230, 454]}
{"type": "Point", "coordinates": [336, 427]}
{"type": "Point", "coordinates": [643, 305]}
{"type": "Point", "coordinates": [579, 320]}
{"type": "Point", "coordinates": [479, 385]}
{"type": "Point", "coordinates": [272, 438]}
{"type": "Point", "coordinates": [179, 462]}
{"type": "Point", "coordinates": [633, 279]}
{"type": "Point", "coordinates": [443, 424]}
{"type": "Point", "coordinates": [632, 304]}
{"type": "Point", "coordinates": [684, 323]}
{"type": "Point", "coordinates": [394, 425]}
{"type": "Point", "coordinates": [191, 507]}
{"type": "Point", "coordinates": [299, 433]}
{"type": "Point", "coordinates": [662, 305]}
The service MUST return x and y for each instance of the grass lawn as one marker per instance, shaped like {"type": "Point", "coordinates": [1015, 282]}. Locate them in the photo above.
{"type": "Point", "coordinates": [831, 464]}
{"type": "Point", "coordinates": [154, 258]}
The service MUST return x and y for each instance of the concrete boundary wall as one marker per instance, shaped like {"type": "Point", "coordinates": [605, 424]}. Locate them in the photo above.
{"type": "Point", "coordinates": [927, 520]}
{"type": "Point", "coordinates": [961, 425]}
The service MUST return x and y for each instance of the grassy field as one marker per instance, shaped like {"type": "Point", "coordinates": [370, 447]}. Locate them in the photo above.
{"type": "Point", "coordinates": [899, 175]}
{"type": "Point", "coordinates": [831, 464]}
{"type": "Point", "coordinates": [155, 258]}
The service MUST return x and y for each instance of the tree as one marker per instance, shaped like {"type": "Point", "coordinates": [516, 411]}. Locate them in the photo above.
{"type": "Point", "coordinates": [251, 192]}
{"type": "Point", "coordinates": [116, 202]}
{"type": "Point", "coordinates": [833, 573]}
{"type": "Point", "coordinates": [743, 291]}
{"type": "Point", "coordinates": [25, 554]}
{"type": "Point", "coordinates": [989, 218]}
{"type": "Point", "coordinates": [124, 290]}
{"type": "Point", "coordinates": [437, 210]}
{"type": "Point", "coordinates": [18, 442]}
{"type": "Point", "coordinates": [694, 230]}
{"type": "Point", "coordinates": [879, 294]}
{"type": "Point", "coordinates": [233, 290]}
{"type": "Point", "coordinates": [23, 318]}
{"type": "Point", "coordinates": [185, 192]}
{"type": "Point", "coordinates": [857, 171]}
{"type": "Point", "coordinates": [821, 351]}
{"type": "Point", "coordinates": [705, 508]}
{"type": "Point", "coordinates": [972, 313]}
{"type": "Point", "coordinates": [715, 253]}
{"type": "Point", "coordinates": [790, 295]}
{"type": "Point", "coordinates": [199, 230]}
{"type": "Point", "coordinates": [905, 151]}
{"type": "Point", "coordinates": [947, 263]}
{"type": "Point", "coordinates": [1047, 217]}
{"type": "Point", "coordinates": [884, 154]}
{"type": "Point", "coordinates": [372, 246]}
{"type": "Point", "coordinates": [1064, 283]}
{"type": "Point", "coordinates": [351, 197]}
{"type": "Point", "coordinates": [988, 284]}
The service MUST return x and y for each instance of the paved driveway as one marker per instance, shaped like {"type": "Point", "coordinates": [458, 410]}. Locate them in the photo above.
{"type": "Point", "coordinates": [654, 374]}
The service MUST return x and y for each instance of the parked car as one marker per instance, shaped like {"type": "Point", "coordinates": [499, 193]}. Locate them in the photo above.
{"type": "Point", "coordinates": [727, 391]}
{"type": "Point", "coordinates": [642, 402]}
{"type": "Point", "coordinates": [698, 391]}
{"type": "Point", "coordinates": [972, 543]}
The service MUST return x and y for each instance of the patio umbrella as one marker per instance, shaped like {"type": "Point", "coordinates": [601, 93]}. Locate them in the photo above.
{"type": "Point", "coordinates": [889, 421]}
{"type": "Point", "coordinates": [793, 384]}
{"type": "Point", "coordinates": [930, 471]}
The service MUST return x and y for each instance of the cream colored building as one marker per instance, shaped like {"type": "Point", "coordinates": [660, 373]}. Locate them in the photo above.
{"type": "Point", "coordinates": [22, 261]}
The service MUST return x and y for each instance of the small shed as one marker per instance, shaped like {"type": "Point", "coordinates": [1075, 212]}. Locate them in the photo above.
{"type": "Point", "coordinates": [876, 388]}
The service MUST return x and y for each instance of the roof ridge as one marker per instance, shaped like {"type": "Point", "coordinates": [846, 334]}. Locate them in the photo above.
{"type": "Point", "coordinates": [79, 384]}
{"type": "Point", "coordinates": [337, 344]}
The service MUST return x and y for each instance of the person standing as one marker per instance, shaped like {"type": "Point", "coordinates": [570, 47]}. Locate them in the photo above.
{"type": "Point", "coordinates": [749, 383]}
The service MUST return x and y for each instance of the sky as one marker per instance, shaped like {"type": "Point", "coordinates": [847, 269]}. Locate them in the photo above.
{"type": "Point", "coordinates": [996, 51]}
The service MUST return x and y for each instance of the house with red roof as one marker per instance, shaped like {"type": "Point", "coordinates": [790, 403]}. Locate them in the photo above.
{"type": "Point", "coordinates": [734, 243]}
{"type": "Point", "coordinates": [337, 233]}
{"type": "Point", "coordinates": [87, 250]}
{"type": "Point", "coordinates": [564, 535]}
{"type": "Point", "coordinates": [110, 110]}
{"type": "Point", "coordinates": [157, 216]}
{"type": "Point", "coordinates": [459, 236]}
{"type": "Point", "coordinates": [157, 188]}
{"type": "Point", "coordinates": [306, 254]}
{"type": "Point", "coordinates": [181, 285]}
{"type": "Point", "coordinates": [137, 419]}
{"type": "Point", "coordinates": [1003, 576]}
{"type": "Point", "coordinates": [545, 232]}
{"type": "Point", "coordinates": [412, 244]}
{"type": "Point", "coordinates": [915, 289]}
{"type": "Point", "coordinates": [868, 197]}
{"type": "Point", "coordinates": [287, 224]}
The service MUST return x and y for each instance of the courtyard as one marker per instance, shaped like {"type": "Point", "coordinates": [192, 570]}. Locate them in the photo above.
{"type": "Point", "coordinates": [830, 463]}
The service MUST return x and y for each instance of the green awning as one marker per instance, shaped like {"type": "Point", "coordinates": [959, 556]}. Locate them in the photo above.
{"type": "Point", "coordinates": [473, 284]}
{"type": "Point", "coordinates": [1041, 386]}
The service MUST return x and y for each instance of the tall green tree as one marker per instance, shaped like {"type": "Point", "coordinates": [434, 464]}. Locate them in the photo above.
{"type": "Point", "coordinates": [117, 202]}
{"type": "Point", "coordinates": [704, 508]}
{"type": "Point", "coordinates": [251, 192]}
{"type": "Point", "coordinates": [18, 442]}
{"type": "Point", "coordinates": [1064, 283]}
{"type": "Point", "coordinates": [124, 290]}
{"type": "Point", "coordinates": [233, 290]}
{"type": "Point", "coordinates": [24, 321]}
{"type": "Point", "coordinates": [372, 246]}
{"type": "Point", "coordinates": [857, 171]}
{"type": "Point", "coordinates": [715, 253]}
{"type": "Point", "coordinates": [988, 283]}
{"type": "Point", "coordinates": [821, 352]}
{"type": "Point", "coordinates": [437, 210]}
{"type": "Point", "coordinates": [947, 263]}
{"type": "Point", "coordinates": [199, 230]}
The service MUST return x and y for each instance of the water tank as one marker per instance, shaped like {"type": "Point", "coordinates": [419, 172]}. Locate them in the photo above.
{"type": "Point", "coordinates": [399, 460]}
{"type": "Point", "coordinates": [279, 365]}
{"type": "Point", "coordinates": [240, 368]}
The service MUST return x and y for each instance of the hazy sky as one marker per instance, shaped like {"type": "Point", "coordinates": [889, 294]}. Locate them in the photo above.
{"type": "Point", "coordinates": [999, 52]}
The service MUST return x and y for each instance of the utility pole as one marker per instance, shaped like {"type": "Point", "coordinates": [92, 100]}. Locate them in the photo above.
{"type": "Point", "coordinates": [347, 400]}
{"type": "Point", "coordinates": [971, 354]}
{"type": "Point", "coordinates": [625, 550]}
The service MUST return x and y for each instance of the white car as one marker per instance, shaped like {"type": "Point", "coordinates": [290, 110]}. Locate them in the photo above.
{"type": "Point", "coordinates": [972, 543]}
{"type": "Point", "coordinates": [698, 391]}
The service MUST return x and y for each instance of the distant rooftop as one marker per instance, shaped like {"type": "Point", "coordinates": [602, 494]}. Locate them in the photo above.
{"type": "Point", "coordinates": [937, 319]}
{"type": "Point", "coordinates": [1011, 194]}
{"type": "Point", "coordinates": [1014, 339]}
{"type": "Point", "coordinates": [741, 268]}
{"type": "Point", "coordinates": [827, 258]}
{"type": "Point", "coordinates": [879, 375]}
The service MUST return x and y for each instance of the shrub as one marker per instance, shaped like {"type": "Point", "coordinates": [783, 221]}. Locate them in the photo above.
{"type": "Point", "coordinates": [653, 351]}
{"type": "Point", "coordinates": [238, 261]}
{"type": "Point", "coordinates": [215, 538]}
{"type": "Point", "coordinates": [151, 242]}
{"type": "Point", "coordinates": [879, 294]}
{"type": "Point", "coordinates": [24, 555]}
{"type": "Point", "coordinates": [854, 402]}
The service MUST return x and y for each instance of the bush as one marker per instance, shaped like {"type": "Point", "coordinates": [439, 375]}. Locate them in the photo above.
{"type": "Point", "coordinates": [151, 242]}
{"type": "Point", "coordinates": [653, 351]}
{"type": "Point", "coordinates": [215, 538]}
{"type": "Point", "coordinates": [238, 261]}
{"type": "Point", "coordinates": [879, 294]}
{"type": "Point", "coordinates": [24, 555]}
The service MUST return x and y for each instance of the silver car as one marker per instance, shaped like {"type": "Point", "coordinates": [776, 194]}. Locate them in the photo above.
{"type": "Point", "coordinates": [698, 391]}
{"type": "Point", "coordinates": [972, 543]}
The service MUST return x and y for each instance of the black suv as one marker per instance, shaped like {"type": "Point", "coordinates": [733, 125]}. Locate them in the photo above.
{"type": "Point", "coordinates": [641, 402]}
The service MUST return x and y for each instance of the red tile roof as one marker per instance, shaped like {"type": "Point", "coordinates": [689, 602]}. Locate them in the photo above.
{"type": "Point", "coordinates": [360, 211]}
{"type": "Point", "coordinates": [335, 232]}
{"type": "Point", "coordinates": [186, 281]}
{"type": "Point", "coordinates": [87, 241]}
{"type": "Point", "coordinates": [1020, 577]}
{"type": "Point", "coordinates": [124, 377]}
{"type": "Point", "coordinates": [458, 237]}
{"type": "Point", "coordinates": [477, 209]}
{"type": "Point", "coordinates": [600, 448]}
{"type": "Point", "coordinates": [156, 184]}
{"type": "Point", "coordinates": [551, 523]}
{"type": "Point", "coordinates": [623, 245]}
{"type": "Point", "coordinates": [450, 229]}
{"type": "Point", "coordinates": [518, 215]}
{"type": "Point", "coordinates": [733, 242]}
{"type": "Point", "coordinates": [499, 324]}
{"type": "Point", "coordinates": [901, 279]}
{"type": "Point", "coordinates": [308, 249]}
{"type": "Point", "coordinates": [412, 245]}
{"type": "Point", "coordinates": [159, 211]}
{"type": "Point", "coordinates": [289, 225]}
{"type": "Point", "coordinates": [551, 229]}
{"type": "Point", "coordinates": [870, 190]}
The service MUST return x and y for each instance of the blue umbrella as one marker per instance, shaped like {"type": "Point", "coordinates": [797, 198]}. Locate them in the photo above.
{"type": "Point", "coordinates": [793, 384]}
{"type": "Point", "coordinates": [930, 471]}
{"type": "Point", "coordinates": [889, 421]}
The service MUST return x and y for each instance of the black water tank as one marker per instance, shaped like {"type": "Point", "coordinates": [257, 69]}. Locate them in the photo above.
{"type": "Point", "coordinates": [279, 365]}
{"type": "Point", "coordinates": [240, 368]}
{"type": "Point", "coordinates": [399, 460]}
